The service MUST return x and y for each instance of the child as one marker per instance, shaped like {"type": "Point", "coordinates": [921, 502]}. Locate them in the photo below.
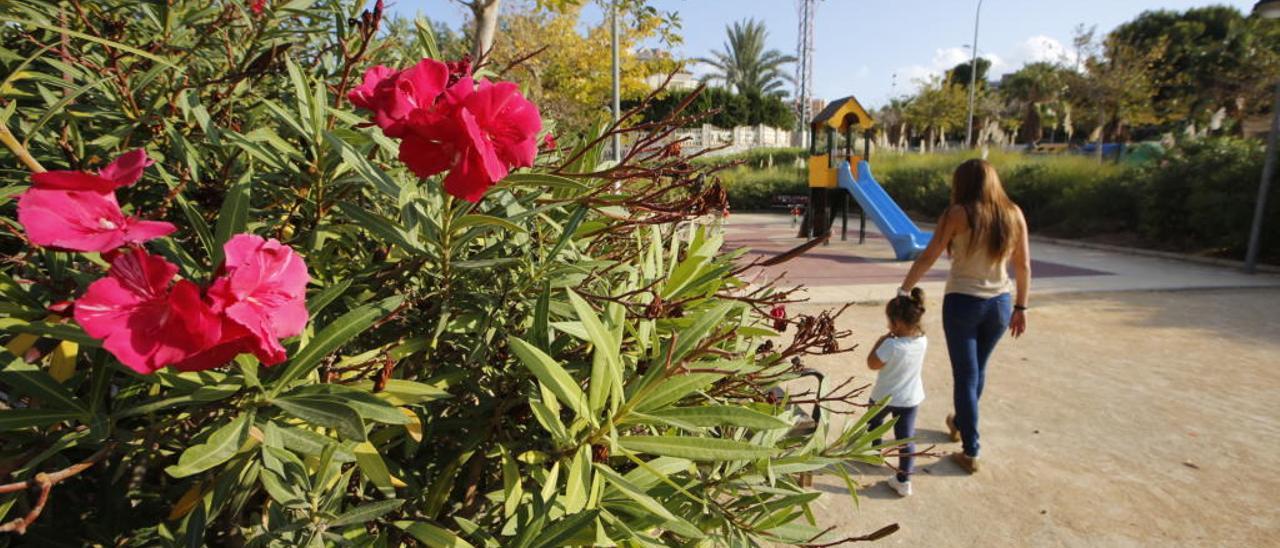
{"type": "Point", "coordinates": [899, 357]}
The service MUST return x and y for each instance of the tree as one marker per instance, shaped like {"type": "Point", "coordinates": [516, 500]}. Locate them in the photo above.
{"type": "Point", "coordinates": [1213, 58]}
{"type": "Point", "coordinates": [566, 71]}
{"type": "Point", "coordinates": [745, 65]}
{"type": "Point", "coordinates": [960, 73]}
{"type": "Point", "coordinates": [1034, 88]}
{"type": "Point", "coordinates": [1116, 88]}
{"type": "Point", "coordinates": [728, 109]}
{"type": "Point", "coordinates": [939, 107]}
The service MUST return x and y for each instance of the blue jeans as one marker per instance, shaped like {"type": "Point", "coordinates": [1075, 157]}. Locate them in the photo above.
{"type": "Point", "coordinates": [903, 429]}
{"type": "Point", "coordinates": [973, 326]}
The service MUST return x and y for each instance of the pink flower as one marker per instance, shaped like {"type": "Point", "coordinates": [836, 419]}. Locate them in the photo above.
{"type": "Point", "coordinates": [393, 95]}
{"type": "Point", "coordinates": [508, 120]}
{"type": "Point", "coordinates": [261, 295]}
{"type": "Point", "coordinates": [779, 315]}
{"type": "Point", "coordinates": [82, 221]}
{"type": "Point", "coordinates": [459, 69]}
{"type": "Point", "coordinates": [257, 6]}
{"type": "Point", "coordinates": [549, 142]}
{"type": "Point", "coordinates": [124, 171]}
{"type": "Point", "coordinates": [141, 320]}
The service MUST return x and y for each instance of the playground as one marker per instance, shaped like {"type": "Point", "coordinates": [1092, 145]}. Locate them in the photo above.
{"type": "Point", "coordinates": [1131, 413]}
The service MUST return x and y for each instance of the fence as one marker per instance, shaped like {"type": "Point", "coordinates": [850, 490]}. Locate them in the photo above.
{"type": "Point", "coordinates": [738, 139]}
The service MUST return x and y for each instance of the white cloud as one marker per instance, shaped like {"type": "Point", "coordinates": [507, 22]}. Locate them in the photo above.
{"type": "Point", "coordinates": [1034, 49]}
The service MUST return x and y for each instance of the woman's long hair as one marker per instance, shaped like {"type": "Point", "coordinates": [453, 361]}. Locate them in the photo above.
{"type": "Point", "coordinates": [993, 223]}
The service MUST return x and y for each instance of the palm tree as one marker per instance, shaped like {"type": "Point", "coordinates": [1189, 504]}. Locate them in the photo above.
{"type": "Point", "coordinates": [1035, 88]}
{"type": "Point", "coordinates": [745, 65]}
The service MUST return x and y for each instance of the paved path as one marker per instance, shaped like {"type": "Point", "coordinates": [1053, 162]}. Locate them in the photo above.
{"type": "Point", "coordinates": [1128, 415]}
{"type": "Point", "coordinates": [845, 271]}
{"type": "Point", "coordinates": [1119, 419]}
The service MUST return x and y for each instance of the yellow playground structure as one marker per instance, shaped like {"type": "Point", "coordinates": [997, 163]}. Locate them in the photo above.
{"type": "Point", "coordinates": [833, 134]}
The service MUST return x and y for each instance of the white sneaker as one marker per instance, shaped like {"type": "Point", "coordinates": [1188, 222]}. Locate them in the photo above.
{"type": "Point", "coordinates": [903, 488]}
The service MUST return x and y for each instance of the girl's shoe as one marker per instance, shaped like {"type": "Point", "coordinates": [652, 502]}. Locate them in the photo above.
{"type": "Point", "coordinates": [903, 488]}
{"type": "Point", "coordinates": [952, 430]}
{"type": "Point", "coordinates": [966, 463]}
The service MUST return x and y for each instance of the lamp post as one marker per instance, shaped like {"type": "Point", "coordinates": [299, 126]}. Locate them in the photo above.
{"type": "Point", "coordinates": [617, 104]}
{"type": "Point", "coordinates": [973, 76]}
{"type": "Point", "coordinates": [1267, 9]}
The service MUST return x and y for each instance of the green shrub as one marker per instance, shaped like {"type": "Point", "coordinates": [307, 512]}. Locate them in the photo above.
{"type": "Point", "coordinates": [753, 189]}
{"type": "Point", "coordinates": [550, 365]}
{"type": "Point", "coordinates": [1202, 196]}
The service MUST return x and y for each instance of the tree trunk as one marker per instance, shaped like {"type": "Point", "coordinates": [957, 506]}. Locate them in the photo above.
{"type": "Point", "coordinates": [486, 16]}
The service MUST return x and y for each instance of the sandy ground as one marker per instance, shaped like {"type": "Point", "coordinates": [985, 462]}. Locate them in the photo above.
{"type": "Point", "coordinates": [1119, 419]}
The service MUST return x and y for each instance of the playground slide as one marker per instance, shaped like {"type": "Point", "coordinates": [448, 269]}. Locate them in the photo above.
{"type": "Point", "coordinates": [907, 239]}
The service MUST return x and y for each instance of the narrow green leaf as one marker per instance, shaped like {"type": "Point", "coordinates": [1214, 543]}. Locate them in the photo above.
{"type": "Point", "coordinates": [333, 336]}
{"type": "Point", "coordinates": [221, 445]}
{"type": "Point", "coordinates": [718, 415]}
{"type": "Point", "coordinates": [606, 364]}
{"type": "Point", "coordinates": [426, 38]}
{"type": "Point", "coordinates": [552, 376]}
{"type": "Point", "coordinates": [692, 336]}
{"type": "Point", "coordinates": [365, 169]}
{"type": "Point", "coordinates": [374, 468]}
{"type": "Point", "coordinates": [366, 512]}
{"type": "Point", "coordinates": [431, 535]}
{"type": "Point", "coordinates": [233, 216]}
{"type": "Point", "coordinates": [575, 491]}
{"type": "Point", "coordinates": [701, 449]}
{"type": "Point", "coordinates": [321, 299]}
{"type": "Point", "coordinates": [673, 389]}
{"type": "Point", "coordinates": [475, 219]}
{"type": "Point", "coordinates": [37, 383]}
{"type": "Point", "coordinates": [17, 419]}
{"type": "Point", "coordinates": [674, 522]}
{"type": "Point", "coordinates": [566, 531]}
{"type": "Point", "coordinates": [326, 413]}
{"type": "Point", "coordinates": [103, 41]}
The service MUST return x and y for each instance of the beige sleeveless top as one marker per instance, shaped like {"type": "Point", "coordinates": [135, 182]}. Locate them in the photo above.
{"type": "Point", "coordinates": [975, 273]}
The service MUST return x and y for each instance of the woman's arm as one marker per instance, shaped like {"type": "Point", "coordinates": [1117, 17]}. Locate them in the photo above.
{"type": "Point", "coordinates": [946, 229]}
{"type": "Point", "coordinates": [1022, 276]}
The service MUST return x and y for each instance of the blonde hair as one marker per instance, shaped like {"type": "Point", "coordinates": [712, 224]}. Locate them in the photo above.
{"type": "Point", "coordinates": [993, 217]}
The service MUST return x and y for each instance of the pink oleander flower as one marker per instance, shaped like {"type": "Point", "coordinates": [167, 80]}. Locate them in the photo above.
{"type": "Point", "coordinates": [257, 6]}
{"type": "Point", "coordinates": [82, 220]}
{"type": "Point", "coordinates": [779, 315]}
{"type": "Point", "coordinates": [142, 320]}
{"type": "Point", "coordinates": [262, 297]}
{"type": "Point", "coordinates": [549, 142]}
{"type": "Point", "coordinates": [124, 171]}
{"type": "Point", "coordinates": [392, 95]}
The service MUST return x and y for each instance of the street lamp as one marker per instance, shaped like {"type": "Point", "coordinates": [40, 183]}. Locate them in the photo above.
{"type": "Point", "coordinates": [617, 105]}
{"type": "Point", "coordinates": [1266, 9]}
{"type": "Point", "coordinates": [973, 75]}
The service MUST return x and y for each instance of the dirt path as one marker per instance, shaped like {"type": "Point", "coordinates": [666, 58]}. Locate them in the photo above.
{"type": "Point", "coordinates": [1120, 419]}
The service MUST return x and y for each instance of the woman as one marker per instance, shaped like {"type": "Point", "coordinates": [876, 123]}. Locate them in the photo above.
{"type": "Point", "coordinates": [984, 231]}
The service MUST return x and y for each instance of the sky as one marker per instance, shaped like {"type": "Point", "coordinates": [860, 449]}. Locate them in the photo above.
{"type": "Point", "coordinates": [879, 49]}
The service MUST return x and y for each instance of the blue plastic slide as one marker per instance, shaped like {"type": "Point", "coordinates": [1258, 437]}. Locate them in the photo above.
{"type": "Point", "coordinates": [907, 238]}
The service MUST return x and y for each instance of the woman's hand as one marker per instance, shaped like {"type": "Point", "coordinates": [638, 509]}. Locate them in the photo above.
{"type": "Point", "coordinates": [1018, 323]}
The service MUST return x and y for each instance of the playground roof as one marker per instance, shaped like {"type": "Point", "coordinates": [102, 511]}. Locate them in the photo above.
{"type": "Point", "coordinates": [842, 113]}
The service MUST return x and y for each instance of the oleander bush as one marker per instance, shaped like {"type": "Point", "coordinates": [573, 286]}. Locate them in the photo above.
{"type": "Point", "coordinates": [274, 275]}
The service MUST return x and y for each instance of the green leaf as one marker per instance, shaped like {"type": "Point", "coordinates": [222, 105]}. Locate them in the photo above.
{"type": "Point", "coordinates": [606, 366]}
{"type": "Point", "coordinates": [512, 484]}
{"type": "Point", "coordinates": [404, 392]}
{"type": "Point", "coordinates": [552, 376]}
{"type": "Point", "coordinates": [717, 415]}
{"type": "Point", "coordinates": [676, 523]}
{"type": "Point", "coordinates": [575, 491]}
{"type": "Point", "coordinates": [673, 389]}
{"type": "Point", "coordinates": [221, 445]}
{"type": "Point", "coordinates": [385, 229]}
{"type": "Point", "coordinates": [431, 535]}
{"type": "Point", "coordinates": [365, 169]}
{"type": "Point", "coordinates": [426, 38]}
{"type": "Point", "coordinates": [475, 219]}
{"type": "Point", "coordinates": [324, 297]}
{"type": "Point", "coordinates": [374, 468]}
{"type": "Point", "coordinates": [103, 41]}
{"type": "Point", "coordinates": [366, 512]}
{"type": "Point", "coordinates": [333, 336]}
{"type": "Point", "coordinates": [233, 216]}
{"type": "Point", "coordinates": [541, 180]}
{"type": "Point", "coordinates": [566, 531]}
{"type": "Point", "coordinates": [37, 383]}
{"type": "Point", "coordinates": [700, 449]}
{"type": "Point", "coordinates": [59, 331]}
{"type": "Point", "coordinates": [17, 419]}
{"type": "Point", "coordinates": [691, 336]}
{"type": "Point", "coordinates": [325, 412]}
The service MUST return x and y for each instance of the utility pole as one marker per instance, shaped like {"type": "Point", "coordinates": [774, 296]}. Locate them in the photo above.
{"type": "Point", "coordinates": [973, 77]}
{"type": "Point", "coordinates": [617, 101]}
{"type": "Point", "coordinates": [804, 71]}
{"type": "Point", "coordinates": [1267, 9]}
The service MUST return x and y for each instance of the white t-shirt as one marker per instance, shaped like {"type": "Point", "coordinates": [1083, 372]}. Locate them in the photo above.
{"type": "Point", "coordinates": [899, 379]}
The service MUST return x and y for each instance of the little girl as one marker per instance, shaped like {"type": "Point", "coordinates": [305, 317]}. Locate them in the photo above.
{"type": "Point", "coordinates": [899, 357]}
